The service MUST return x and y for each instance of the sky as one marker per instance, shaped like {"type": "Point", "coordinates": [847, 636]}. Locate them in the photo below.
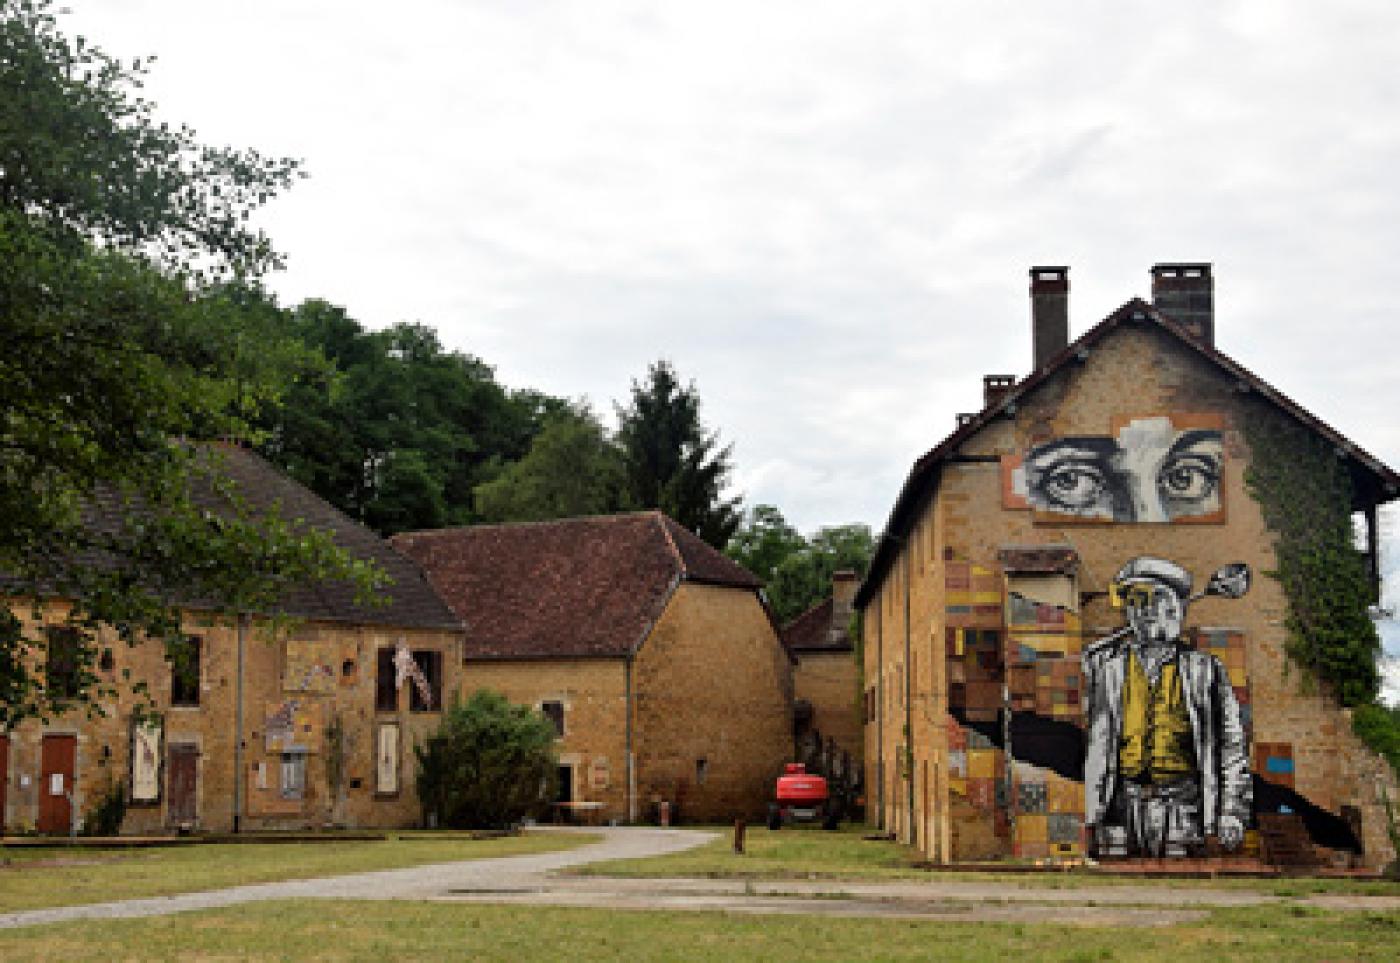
{"type": "Point", "coordinates": [822, 213]}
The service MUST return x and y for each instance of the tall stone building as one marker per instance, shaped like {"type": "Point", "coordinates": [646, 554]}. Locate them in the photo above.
{"type": "Point", "coordinates": [829, 728]}
{"type": "Point", "coordinates": [1071, 643]}
{"type": "Point", "coordinates": [653, 653]}
{"type": "Point", "coordinates": [261, 726]}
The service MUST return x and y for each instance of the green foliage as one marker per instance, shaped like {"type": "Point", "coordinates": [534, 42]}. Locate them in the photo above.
{"type": "Point", "coordinates": [107, 812]}
{"type": "Point", "coordinates": [763, 541]}
{"type": "Point", "coordinates": [115, 343]}
{"type": "Point", "coordinates": [671, 461]}
{"type": "Point", "coordinates": [1305, 493]}
{"type": "Point", "coordinates": [572, 468]}
{"type": "Point", "coordinates": [803, 579]}
{"type": "Point", "coordinates": [1379, 727]}
{"type": "Point", "coordinates": [490, 764]}
{"type": "Point", "coordinates": [397, 431]}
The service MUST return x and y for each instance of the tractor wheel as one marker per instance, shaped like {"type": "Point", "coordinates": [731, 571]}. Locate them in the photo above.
{"type": "Point", "coordinates": [775, 817]}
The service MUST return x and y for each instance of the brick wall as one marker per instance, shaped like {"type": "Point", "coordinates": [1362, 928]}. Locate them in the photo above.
{"type": "Point", "coordinates": [827, 680]}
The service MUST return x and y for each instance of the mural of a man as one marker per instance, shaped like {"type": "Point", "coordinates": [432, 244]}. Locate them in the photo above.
{"type": "Point", "coordinates": [1165, 763]}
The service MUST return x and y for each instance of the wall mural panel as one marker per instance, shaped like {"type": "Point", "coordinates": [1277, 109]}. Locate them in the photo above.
{"type": "Point", "coordinates": [1159, 468]}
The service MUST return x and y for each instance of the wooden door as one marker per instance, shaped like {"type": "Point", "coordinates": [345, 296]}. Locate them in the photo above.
{"type": "Point", "coordinates": [4, 775]}
{"type": "Point", "coordinates": [56, 766]}
{"type": "Point", "coordinates": [183, 768]}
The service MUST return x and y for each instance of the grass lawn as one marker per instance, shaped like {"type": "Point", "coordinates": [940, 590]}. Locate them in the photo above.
{"type": "Point", "coordinates": [403, 930]}
{"type": "Point", "coordinates": [59, 876]}
{"type": "Point", "coordinates": [809, 853]}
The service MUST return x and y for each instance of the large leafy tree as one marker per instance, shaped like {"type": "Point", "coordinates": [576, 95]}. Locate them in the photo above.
{"type": "Point", "coordinates": [763, 541]}
{"type": "Point", "coordinates": [128, 269]}
{"type": "Point", "coordinates": [672, 461]}
{"type": "Point", "coordinates": [572, 469]}
{"type": "Point", "coordinates": [804, 578]}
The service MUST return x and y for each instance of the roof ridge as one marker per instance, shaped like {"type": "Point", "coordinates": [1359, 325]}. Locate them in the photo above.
{"type": "Point", "coordinates": [661, 520]}
{"type": "Point", "coordinates": [530, 523]}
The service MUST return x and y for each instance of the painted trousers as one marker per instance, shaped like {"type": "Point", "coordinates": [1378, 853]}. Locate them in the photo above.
{"type": "Point", "coordinates": [1154, 820]}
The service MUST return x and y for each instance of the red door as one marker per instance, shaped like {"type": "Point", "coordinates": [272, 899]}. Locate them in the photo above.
{"type": "Point", "coordinates": [56, 761]}
{"type": "Point", "coordinates": [184, 775]}
{"type": "Point", "coordinates": [4, 776]}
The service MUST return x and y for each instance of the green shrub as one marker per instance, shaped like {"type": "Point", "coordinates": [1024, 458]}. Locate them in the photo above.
{"type": "Point", "coordinates": [107, 812]}
{"type": "Point", "coordinates": [1379, 728]}
{"type": "Point", "coordinates": [490, 764]}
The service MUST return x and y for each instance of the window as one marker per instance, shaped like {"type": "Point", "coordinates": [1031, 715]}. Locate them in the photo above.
{"type": "Point", "coordinates": [185, 673]}
{"type": "Point", "coordinates": [293, 775]}
{"type": "Point", "coordinates": [386, 693]}
{"type": "Point", "coordinates": [63, 671]}
{"type": "Point", "coordinates": [554, 712]}
{"type": "Point", "coordinates": [430, 664]}
{"type": "Point", "coordinates": [702, 769]}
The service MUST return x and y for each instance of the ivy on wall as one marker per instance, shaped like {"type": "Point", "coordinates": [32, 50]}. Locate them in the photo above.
{"type": "Point", "coordinates": [1305, 493]}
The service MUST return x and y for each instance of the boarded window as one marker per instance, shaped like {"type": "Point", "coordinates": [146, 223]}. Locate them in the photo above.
{"type": "Point", "coordinates": [386, 693]}
{"type": "Point", "coordinates": [554, 712]}
{"type": "Point", "coordinates": [430, 664]}
{"type": "Point", "coordinates": [293, 784]}
{"type": "Point", "coordinates": [63, 672]}
{"type": "Point", "coordinates": [185, 673]}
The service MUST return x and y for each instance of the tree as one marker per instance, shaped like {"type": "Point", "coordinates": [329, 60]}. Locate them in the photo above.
{"type": "Point", "coordinates": [672, 462]}
{"type": "Point", "coordinates": [804, 578]}
{"type": "Point", "coordinates": [489, 765]}
{"type": "Point", "coordinates": [763, 541]}
{"type": "Point", "coordinates": [572, 469]}
{"type": "Point", "coordinates": [125, 251]}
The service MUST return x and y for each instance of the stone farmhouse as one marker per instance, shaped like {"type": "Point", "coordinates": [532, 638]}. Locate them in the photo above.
{"type": "Point", "coordinates": [1050, 667]}
{"type": "Point", "coordinates": [824, 679]}
{"type": "Point", "coordinates": [654, 655]}
{"type": "Point", "coordinates": [310, 727]}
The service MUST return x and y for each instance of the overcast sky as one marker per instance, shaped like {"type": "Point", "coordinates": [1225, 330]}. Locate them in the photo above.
{"type": "Point", "coordinates": [823, 213]}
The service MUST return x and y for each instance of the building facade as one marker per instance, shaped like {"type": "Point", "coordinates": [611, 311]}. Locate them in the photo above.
{"type": "Point", "coordinates": [1070, 642]}
{"type": "Point", "coordinates": [829, 730]}
{"type": "Point", "coordinates": [655, 656]}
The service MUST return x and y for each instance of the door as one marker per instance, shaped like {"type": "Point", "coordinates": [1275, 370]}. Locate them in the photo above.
{"type": "Point", "coordinates": [4, 775]}
{"type": "Point", "coordinates": [184, 784]}
{"type": "Point", "coordinates": [56, 763]}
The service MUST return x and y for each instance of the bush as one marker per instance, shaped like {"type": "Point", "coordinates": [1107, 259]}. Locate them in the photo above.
{"type": "Point", "coordinates": [107, 812]}
{"type": "Point", "coordinates": [490, 764]}
{"type": "Point", "coordinates": [1378, 727]}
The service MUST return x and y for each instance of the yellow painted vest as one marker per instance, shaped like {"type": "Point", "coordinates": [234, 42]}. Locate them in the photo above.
{"type": "Point", "coordinates": [1157, 745]}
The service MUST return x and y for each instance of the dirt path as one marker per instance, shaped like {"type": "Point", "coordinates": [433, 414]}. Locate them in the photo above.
{"type": "Point", "coordinates": [532, 880]}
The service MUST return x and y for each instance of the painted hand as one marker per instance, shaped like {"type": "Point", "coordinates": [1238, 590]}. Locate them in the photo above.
{"type": "Point", "coordinates": [1231, 832]}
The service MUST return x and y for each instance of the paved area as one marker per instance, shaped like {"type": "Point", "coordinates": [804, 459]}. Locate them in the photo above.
{"type": "Point", "coordinates": [532, 880]}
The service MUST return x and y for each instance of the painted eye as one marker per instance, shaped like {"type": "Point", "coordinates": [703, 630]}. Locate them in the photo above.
{"type": "Point", "coordinates": [1188, 479]}
{"type": "Point", "coordinates": [1074, 485]}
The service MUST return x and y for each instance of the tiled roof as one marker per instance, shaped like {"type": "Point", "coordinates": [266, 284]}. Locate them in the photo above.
{"type": "Point", "coordinates": [411, 601]}
{"type": "Point", "coordinates": [815, 630]}
{"type": "Point", "coordinates": [1374, 481]}
{"type": "Point", "coordinates": [574, 587]}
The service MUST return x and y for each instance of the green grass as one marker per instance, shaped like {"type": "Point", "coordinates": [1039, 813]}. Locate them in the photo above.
{"type": "Point", "coordinates": [402, 930]}
{"type": "Point", "coordinates": [59, 876]}
{"type": "Point", "coordinates": [809, 853]}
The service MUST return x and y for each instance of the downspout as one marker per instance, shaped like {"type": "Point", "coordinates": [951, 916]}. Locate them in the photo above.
{"type": "Point", "coordinates": [242, 634]}
{"type": "Point", "coordinates": [631, 765]}
{"type": "Point", "coordinates": [909, 693]}
{"type": "Point", "coordinates": [880, 710]}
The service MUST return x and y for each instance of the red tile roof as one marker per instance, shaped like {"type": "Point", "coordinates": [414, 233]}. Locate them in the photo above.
{"type": "Point", "coordinates": [815, 630]}
{"type": "Point", "coordinates": [570, 588]}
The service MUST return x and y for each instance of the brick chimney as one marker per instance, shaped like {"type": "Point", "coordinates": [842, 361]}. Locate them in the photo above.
{"type": "Point", "coordinates": [1049, 312]}
{"type": "Point", "coordinates": [1186, 294]}
{"type": "Point", "coordinates": [843, 593]}
{"type": "Point", "coordinates": [994, 387]}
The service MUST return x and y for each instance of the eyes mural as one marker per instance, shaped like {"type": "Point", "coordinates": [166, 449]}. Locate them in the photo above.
{"type": "Point", "coordinates": [1152, 470]}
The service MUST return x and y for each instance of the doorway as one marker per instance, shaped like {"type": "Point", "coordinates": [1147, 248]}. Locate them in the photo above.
{"type": "Point", "coordinates": [184, 784]}
{"type": "Point", "coordinates": [57, 757]}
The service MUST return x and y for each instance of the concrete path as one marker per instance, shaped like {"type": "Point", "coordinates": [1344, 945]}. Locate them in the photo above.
{"type": "Point", "coordinates": [532, 880]}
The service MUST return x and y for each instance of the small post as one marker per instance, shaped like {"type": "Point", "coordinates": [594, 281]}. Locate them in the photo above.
{"type": "Point", "coordinates": [739, 835]}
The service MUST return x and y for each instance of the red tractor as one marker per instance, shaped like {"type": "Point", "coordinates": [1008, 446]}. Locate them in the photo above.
{"type": "Point", "coordinates": [803, 797]}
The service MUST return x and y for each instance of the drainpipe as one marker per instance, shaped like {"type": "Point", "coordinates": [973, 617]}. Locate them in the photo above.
{"type": "Point", "coordinates": [909, 692]}
{"type": "Point", "coordinates": [631, 764]}
{"type": "Point", "coordinates": [880, 709]}
{"type": "Point", "coordinates": [238, 724]}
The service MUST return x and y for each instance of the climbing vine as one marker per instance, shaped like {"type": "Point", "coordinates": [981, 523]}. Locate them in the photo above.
{"type": "Point", "coordinates": [1304, 490]}
{"type": "Point", "coordinates": [1305, 493]}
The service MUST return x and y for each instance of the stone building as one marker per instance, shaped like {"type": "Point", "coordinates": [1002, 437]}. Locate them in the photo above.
{"type": "Point", "coordinates": [824, 678]}
{"type": "Point", "coordinates": [306, 726]}
{"type": "Point", "coordinates": [653, 653]}
{"type": "Point", "coordinates": [1046, 672]}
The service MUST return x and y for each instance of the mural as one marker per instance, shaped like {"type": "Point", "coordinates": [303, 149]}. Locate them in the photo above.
{"type": "Point", "coordinates": [1166, 763]}
{"type": "Point", "coordinates": [296, 725]}
{"type": "Point", "coordinates": [386, 759]}
{"type": "Point", "coordinates": [1152, 469]}
{"type": "Point", "coordinates": [146, 737]}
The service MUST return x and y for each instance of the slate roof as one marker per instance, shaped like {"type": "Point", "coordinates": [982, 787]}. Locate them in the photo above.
{"type": "Point", "coordinates": [570, 588]}
{"type": "Point", "coordinates": [814, 631]}
{"type": "Point", "coordinates": [411, 601]}
{"type": "Point", "coordinates": [1374, 482]}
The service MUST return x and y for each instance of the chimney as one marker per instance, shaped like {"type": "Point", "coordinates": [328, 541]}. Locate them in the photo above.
{"type": "Point", "coordinates": [1049, 312]}
{"type": "Point", "coordinates": [995, 387]}
{"type": "Point", "coordinates": [843, 593]}
{"type": "Point", "coordinates": [1186, 294]}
